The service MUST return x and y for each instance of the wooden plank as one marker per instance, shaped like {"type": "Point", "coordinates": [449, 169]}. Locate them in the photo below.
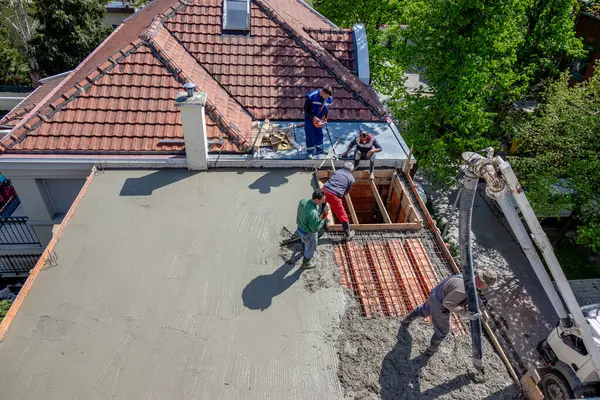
{"type": "Point", "coordinates": [384, 213]}
{"type": "Point", "coordinates": [264, 128]}
{"type": "Point", "coordinates": [378, 227]}
{"type": "Point", "coordinates": [407, 204]}
{"type": "Point", "coordinates": [390, 191]}
{"type": "Point", "coordinates": [408, 164]}
{"type": "Point", "coordinates": [353, 216]}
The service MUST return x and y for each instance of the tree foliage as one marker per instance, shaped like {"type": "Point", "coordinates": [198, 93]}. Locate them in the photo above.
{"type": "Point", "coordinates": [559, 147]}
{"type": "Point", "coordinates": [13, 69]}
{"type": "Point", "coordinates": [18, 28]}
{"type": "Point", "coordinates": [4, 307]}
{"type": "Point", "coordinates": [69, 30]}
{"type": "Point", "coordinates": [476, 57]}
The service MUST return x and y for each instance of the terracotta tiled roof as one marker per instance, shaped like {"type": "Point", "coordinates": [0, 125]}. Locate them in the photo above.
{"type": "Point", "coordinates": [121, 98]}
{"type": "Point", "coordinates": [338, 42]}
{"type": "Point", "coordinates": [46, 86]}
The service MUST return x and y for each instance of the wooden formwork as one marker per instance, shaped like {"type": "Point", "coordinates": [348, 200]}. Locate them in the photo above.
{"type": "Point", "coordinates": [384, 197]}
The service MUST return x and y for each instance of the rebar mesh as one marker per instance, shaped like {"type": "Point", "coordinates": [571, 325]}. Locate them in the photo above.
{"type": "Point", "coordinates": [391, 273]}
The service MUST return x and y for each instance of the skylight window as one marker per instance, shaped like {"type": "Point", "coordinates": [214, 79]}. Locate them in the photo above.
{"type": "Point", "coordinates": [236, 16]}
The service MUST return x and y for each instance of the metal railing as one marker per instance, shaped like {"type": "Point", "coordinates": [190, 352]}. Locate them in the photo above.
{"type": "Point", "coordinates": [9, 207]}
{"type": "Point", "coordinates": [15, 230]}
{"type": "Point", "coordinates": [18, 263]}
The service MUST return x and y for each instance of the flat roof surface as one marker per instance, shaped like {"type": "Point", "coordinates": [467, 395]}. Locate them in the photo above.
{"type": "Point", "coordinates": [394, 148]}
{"type": "Point", "coordinates": [169, 285]}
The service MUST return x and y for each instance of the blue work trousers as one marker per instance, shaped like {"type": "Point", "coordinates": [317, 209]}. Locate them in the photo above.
{"type": "Point", "coordinates": [310, 242]}
{"type": "Point", "coordinates": [314, 137]}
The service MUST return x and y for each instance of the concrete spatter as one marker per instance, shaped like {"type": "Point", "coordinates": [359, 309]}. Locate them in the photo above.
{"type": "Point", "coordinates": [381, 360]}
{"type": "Point", "coordinates": [378, 360]}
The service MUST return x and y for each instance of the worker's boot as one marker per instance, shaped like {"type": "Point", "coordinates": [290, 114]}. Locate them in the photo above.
{"type": "Point", "coordinates": [372, 170]}
{"type": "Point", "coordinates": [347, 232]}
{"type": "Point", "coordinates": [307, 263]}
{"type": "Point", "coordinates": [434, 345]}
{"type": "Point", "coordinates": [411, 317]}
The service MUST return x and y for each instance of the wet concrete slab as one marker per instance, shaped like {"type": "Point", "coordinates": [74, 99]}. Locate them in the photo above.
{"type": "Point", "coordinates": [169, 285]}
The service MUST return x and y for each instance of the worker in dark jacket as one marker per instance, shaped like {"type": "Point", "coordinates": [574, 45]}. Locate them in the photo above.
{"type": "Point", "coordinates": [448, 296]}
{"type": "Point", "coordinates": [316, 107]}
{"type": "Point", "coordinates": [366, 148]}
{"type": "Point", "coordinates": [310, 220]}
{"type": "Point", "coordinates": [339, 185]}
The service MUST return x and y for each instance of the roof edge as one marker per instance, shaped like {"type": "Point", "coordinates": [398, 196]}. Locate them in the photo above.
{"type": "Point", "coordinates": [55, 76]}
{"type": "Point", "coordinates": [318, 14]}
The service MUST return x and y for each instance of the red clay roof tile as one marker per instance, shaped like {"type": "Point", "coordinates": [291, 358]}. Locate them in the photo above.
{"type": "Point", "coordinates": [131, 79]}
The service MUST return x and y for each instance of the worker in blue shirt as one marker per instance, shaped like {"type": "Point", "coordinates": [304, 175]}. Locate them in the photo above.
{"type": "Point", "coordinates": [316, 106]}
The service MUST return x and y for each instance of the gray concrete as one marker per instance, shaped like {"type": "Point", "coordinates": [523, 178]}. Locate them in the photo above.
{"type": "Point", "coordinates": [518, 303]}
{"type": "Point", "coordinates": [145, 297]}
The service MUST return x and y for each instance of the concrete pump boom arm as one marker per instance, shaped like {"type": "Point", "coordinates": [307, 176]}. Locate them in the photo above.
{"type": "Point", "coordinates": [500, 178]}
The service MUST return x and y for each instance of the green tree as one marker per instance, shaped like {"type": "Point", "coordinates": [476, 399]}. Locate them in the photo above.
{"type": "Point", "coordinates": [559, 147]}
{"type": "Point", "coordinates": [19, 27]}
{"type": "Point", "coordinates": [477, 57]}
{"type": "Point", "coordinates": [375, 15]}
{"type": "Point", "coordinates": [13, 69]}
{"type": "Point", "coordinates": [69, 30]}
{"type": "Point", "coordinates": [4, 307]}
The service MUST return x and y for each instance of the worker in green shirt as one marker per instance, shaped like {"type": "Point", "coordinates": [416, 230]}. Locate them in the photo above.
{"type": "Point", "coordinates": [310, 220]}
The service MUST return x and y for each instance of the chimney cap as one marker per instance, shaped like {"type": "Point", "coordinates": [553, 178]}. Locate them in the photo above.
{"type": "Point", "coordinates": [189, 88]}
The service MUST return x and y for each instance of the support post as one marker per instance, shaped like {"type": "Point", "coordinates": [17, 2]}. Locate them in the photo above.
{"type": "Point", "coordinates": [384, 212]}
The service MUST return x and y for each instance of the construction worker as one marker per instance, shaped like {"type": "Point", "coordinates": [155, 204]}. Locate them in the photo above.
{"type": "Point", "coordinates": [448, 296]}
{"type": "Point", "coordinates": [310, 221]}
{"type": "Point", "coordinates": [316, 107]}
{"type": "Point", "coordinates": [339, 185]}
{"type": "Point", "coordinates": [366, 148]}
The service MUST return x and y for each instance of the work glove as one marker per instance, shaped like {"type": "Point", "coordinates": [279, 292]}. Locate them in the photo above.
{"type": "Point", "coordinates": [473, 316]}
{"type": "Point", "coordinates": [463, 313]}
{"type": "Point", "coordinates": [324, 215]}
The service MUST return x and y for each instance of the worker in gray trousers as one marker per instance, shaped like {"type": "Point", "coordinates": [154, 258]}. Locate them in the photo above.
{"type": "Point", "coordinates": [448, 296]}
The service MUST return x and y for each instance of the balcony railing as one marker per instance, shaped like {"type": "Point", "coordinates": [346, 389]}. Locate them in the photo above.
{"type": "Point", "coordinates": [17, 264]}
{"type": "Point", "coordinates": [16, 231]}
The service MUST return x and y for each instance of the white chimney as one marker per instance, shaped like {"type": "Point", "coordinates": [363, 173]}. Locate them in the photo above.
{"type": "Point", "coordinates": [193, 119]}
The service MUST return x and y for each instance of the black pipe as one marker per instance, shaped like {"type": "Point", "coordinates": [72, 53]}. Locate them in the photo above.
{"type": "Point", "coordinates": [466, 257]}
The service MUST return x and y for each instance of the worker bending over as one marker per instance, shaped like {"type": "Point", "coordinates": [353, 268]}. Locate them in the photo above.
{"type": "Point", "coordinates": [339, 185]}
{"type": "Point", "coordinates": [316, 107]}
{"type": "Point", "coordinates": [448, 296]}
{"type": "Point", "coordinates": [366, 148]}
{"type": "Point", "coordinates": [310, 221]}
